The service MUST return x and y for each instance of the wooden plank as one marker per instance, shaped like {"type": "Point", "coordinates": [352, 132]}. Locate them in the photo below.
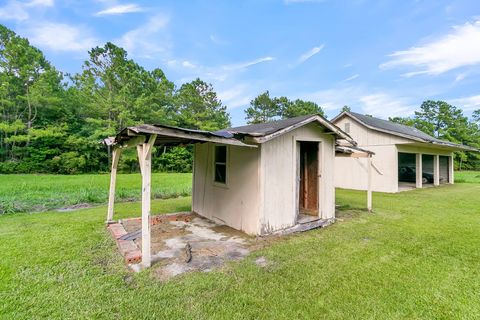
{"type": "Point", "coordinates": [113, 179]}
{"type": "Point", "coordinates": [436, 170]}
{"type": "Point", "coordinates": [146, 201]}
{"type": "Point", "coordinates": [133, 142]}
{"type": "Point", "coordinates": [189, 136]}
{"type": "Point", "coordinates": [140, 157]}
{"type": "Point", "coordinates": [419, 170]}
{"type": "Point", "coordinates": [359, 155]}
{"type": "Point", "coordinates": [369, 184]}
{"type": "Point", "coordinates": [451, 179]}
{"type": "Point", "coordinates": [305, 179]}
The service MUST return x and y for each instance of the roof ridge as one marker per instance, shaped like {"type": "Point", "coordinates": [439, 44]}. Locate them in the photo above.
{"type": "Point", "coordinates": [396, 129]}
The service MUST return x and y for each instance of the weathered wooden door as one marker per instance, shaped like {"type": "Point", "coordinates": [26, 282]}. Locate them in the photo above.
{"type": "Point", "coordinates": [308, 182]}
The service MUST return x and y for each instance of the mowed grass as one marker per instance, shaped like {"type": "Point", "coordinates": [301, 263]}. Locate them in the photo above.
{"type": "Point", "coordinates": [416, 257]}
{"type": "Point", "coordinates": [467, 176]}
{"type": "Point", "coordinates": [27, 193]}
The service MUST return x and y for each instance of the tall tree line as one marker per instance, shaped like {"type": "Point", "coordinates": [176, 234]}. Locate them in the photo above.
{"type": "Point", "coordinates": [446, 122]}
{"type": "Point", "coordinates": [52, 122]}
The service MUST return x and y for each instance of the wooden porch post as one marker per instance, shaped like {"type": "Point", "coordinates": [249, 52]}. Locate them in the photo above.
{"type": "Point", "coordinates": [113, 179]}
{"type": "Point", "coordinates": [436, 170]}
{"type": "Point", "coordinates": [146, 163]}
{"type": "Point", "coordinates": [369, 183]}
{"type": "Point", "coordinates": [451, 175]}
{"type": "Point", "coordinates": [419, 170]}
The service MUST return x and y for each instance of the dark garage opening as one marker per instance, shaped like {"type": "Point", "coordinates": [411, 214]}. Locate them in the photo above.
{"type": "Point", "coordinates": [444, 169]}
{"type": "Point", "coordinates": [427, 166]}
{"type": "Point", "coordinates": [406, 167]}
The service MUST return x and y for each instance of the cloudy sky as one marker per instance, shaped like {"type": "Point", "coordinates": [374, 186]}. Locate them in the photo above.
{"type": "Point", "coordinates": [379, 57]}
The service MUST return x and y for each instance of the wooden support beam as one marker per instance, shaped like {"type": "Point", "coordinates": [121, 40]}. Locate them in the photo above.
{"type": "Point", "coordinates": [140, 157]}
{"type": "Point", "coordinates": [451, 178]}
{"type": "Point", "coordinates": [436, 170]}
{"type": "Point", "coordinates": [113, 179]}
{"type": "Point", "coordinates": [146, 163]}
{"type": "Point", "coordinates": [360, 155]}
{"type": "Point", "coordinates": [418, 170]}
{"type": "Point", "coordinates": [134, 141]}
{"type": "Point", "coordinates": [369, 184]}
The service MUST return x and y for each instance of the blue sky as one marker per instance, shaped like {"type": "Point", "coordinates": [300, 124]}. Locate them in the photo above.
{"type": "Point", "coordinates": [379, 57]}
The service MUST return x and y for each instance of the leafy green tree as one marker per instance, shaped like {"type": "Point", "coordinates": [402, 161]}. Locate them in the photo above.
{"type": "Point", "coordinates": [403, 120]}
{"type": "Point", "coordinates": [198, 107]}
{"type": "Point", "coordinates": [345, 108]}
{"type": "Point", "coordinates": [300, 108]}
{"type": "Point", "coordinates": [30, 91]}
{"type": "Point", "coordinates": [447, 122]}
{"type": "Point", "coordinates": [264, 108]}
{"type": "Point", "coordinates": [476, 116]}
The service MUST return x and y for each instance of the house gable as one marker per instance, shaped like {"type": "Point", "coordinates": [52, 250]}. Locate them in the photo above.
{"type": "Point", "coordinates": [365, 136]}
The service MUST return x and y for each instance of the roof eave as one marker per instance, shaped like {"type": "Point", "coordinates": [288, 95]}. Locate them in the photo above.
{"type": "Point", "coordinates": [327, 124]}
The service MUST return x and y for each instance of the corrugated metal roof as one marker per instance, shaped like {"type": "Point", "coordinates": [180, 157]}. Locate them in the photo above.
{"type": "Point", "coordinates": [265, 131]}
{"type": "Point", "coordinates": [402, 130]}
{"type": "Point", "coordinates": [392, 126]}
{"type": "Point", "coordinates": [266, 128]}
{"type": "Point", "coordinates": [168, 135]}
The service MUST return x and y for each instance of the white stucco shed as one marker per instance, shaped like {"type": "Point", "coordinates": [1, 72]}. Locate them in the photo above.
{"type": "Point", "coordinates": [259, 179]}
{"type": "Point", "coordinates": [405, 157]}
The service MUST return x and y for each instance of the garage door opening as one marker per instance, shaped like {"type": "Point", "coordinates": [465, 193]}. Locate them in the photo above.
{"type": "Point", "coordinates": [427, 166]}
{"type": "Point", "coordinates": [444, 169]}
{"type": "Point", "coordinates": [406, 170]}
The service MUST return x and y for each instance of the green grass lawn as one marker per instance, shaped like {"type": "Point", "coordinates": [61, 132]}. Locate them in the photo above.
{"type": "Point", "coordinates": [467, 176]}
{"type": "Point", "coordinates": [416, 257]}
{"type": "Point", "coordinates": [26, 193]}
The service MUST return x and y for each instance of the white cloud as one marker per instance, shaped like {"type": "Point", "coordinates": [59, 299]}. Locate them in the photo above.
{"type": "Point", "coordinates": [384, 105]}
{"type": "Point", "coordinates": [61, 37]}
{"type": "Point", "coordinates": [13, 10]}
{"type": "Point", "coordinates": [377, 103]}
{"type": "Point", "coordinates": [217, 40]}
{"type": "Point", "coordinates": [185, 64]}
{"type": "Point", "coordinates": [302, 1]}
{"type": "Point", "coordinates": [40, 3]}
{"type": "Point", "coordinates": [467, 103]}
{"type": "Point", "coordinates": [310, 53]}
{"type": "Point", "coordinates": [188, 64]}
{"type": "Point", "coordinates": [19, 11]}
{"type": "Point", "coordinates": [459, 48]}
{"type": "Point", "coordinates": [355, 76]}
{"type": "Point", "coordinates": [120, 9]}
{"type": "Point", "coordinates": [148, 39]}
{"type": "Point", "coordinates": [460, 77]}
{"type": "Point", "coordinates": [236, 96]}
{"type": "Point", "coordinates": [243, 65]}
{"type": "Point", "coordinates": [334, 98]}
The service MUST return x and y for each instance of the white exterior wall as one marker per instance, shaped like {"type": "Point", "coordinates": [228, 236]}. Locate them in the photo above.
{"type": "Point", "coordinates": [279, 199]}
{"type": "Point", "coordinates": [351, 173]}
{"type": "Point", "coordinates": [235, 204]}
{"type": "Point", "coordinates": [366, 137]}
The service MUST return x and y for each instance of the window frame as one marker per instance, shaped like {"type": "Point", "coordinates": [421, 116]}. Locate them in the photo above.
{"type": "Point", "coordinates": [215, 163]}
{"type": "Point", "coordinates": [345, 126]}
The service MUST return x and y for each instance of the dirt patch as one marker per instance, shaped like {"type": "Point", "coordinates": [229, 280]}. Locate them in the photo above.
{"type": "Point", "coordinates": [75, 207]}
{"type": "Point", "coordinates": [194, 244]}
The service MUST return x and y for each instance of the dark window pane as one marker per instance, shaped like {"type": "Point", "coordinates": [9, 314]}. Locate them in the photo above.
{"type": "Point", "coordinates": [221, 154]}
{"type": "Point", "coordinates": [220, 173]}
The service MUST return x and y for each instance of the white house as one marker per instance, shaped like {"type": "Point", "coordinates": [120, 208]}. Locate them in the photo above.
{"type": "Point", "coordinates": [257, 178]}
{"type": "Point", "coordinates": [405, 157]}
